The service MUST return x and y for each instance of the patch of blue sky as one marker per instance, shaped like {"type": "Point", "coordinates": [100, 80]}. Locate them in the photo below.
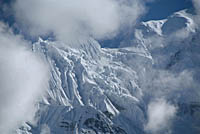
{"type": "Point", "coordinates": [161, 9]}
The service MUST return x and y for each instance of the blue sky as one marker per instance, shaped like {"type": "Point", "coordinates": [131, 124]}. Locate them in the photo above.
{"type": "Point", "coordinates": [160, 9]}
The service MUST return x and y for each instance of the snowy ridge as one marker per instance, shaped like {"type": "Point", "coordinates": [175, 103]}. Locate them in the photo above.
{"type": "Point", "coordinates": [95, 77]}
{"type": "Point", "coordinates": [96, 90]}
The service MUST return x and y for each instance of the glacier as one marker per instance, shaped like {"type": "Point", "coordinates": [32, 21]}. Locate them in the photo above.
{"type": "Point", "coordinates": [94, 90]}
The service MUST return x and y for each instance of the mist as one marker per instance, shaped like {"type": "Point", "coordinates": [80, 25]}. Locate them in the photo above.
{"type": "Point", "coordinates": [24, 79]}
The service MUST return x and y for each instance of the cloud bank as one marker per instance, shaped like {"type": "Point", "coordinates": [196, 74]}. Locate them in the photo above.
{"type": "Point", "coordinates": [71, 20]}
{"type": "Point", "coordinates": [24, 78]}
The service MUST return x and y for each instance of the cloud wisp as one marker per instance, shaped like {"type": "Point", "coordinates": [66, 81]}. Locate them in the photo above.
{"type": "Point", "coordinates": [160, 114]}
{"type": "Point", "coordinates": [24, 78]}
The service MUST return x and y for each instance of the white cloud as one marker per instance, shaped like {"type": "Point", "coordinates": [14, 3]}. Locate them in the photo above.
{"type": "Point", "coordinates": [76, 20]}
{"type": "Point", "coordinates": [160, 114]}
{"type": "Point", "coordinates": [24, 78]}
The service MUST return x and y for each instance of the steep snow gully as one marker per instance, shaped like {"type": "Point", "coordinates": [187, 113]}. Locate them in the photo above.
{"type": "Point", "coordinates": [151, 86]}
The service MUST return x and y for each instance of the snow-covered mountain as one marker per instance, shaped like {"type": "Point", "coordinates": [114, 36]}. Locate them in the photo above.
{"type": "Point", "coordinates": [96, 90]}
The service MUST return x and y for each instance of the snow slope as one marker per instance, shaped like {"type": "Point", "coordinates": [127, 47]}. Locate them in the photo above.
{"type": "Point", "coordinates": [96, 90]}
